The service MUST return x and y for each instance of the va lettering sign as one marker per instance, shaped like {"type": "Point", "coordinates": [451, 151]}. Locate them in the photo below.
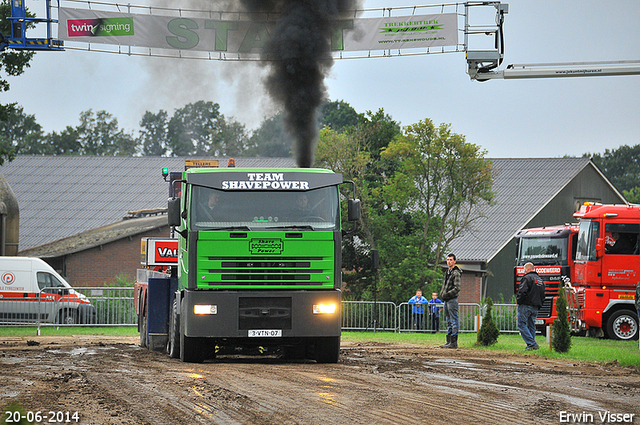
{"type": "Point", "coordinates": [242, 36]}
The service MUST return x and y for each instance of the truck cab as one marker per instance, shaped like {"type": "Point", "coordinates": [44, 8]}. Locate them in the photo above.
{"type": "Point", "coordinates": [607, 269]}
{"type": "Point", "coordinates": [552, 250]}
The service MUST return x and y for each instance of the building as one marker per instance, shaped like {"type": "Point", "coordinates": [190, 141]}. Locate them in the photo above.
{"type": "Point", "coordinates": [529, 192]}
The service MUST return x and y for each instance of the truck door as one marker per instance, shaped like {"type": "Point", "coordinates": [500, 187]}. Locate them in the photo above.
{"type": "Point", "coordinates": [620, 260]}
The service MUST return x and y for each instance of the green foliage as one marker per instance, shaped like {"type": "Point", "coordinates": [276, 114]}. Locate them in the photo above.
{"type": "Point", "coordinates": [270, 139]}
{"type": "Point", "coordinates": [489, 332]}
{"type": "Point", "coordinates": [621, 166]}
{"type": "Point", "coordinates": [632, 195]}
{"type": "Point", "coordinates": [561, 339]}
{"type": "Point", "coordinates": [338, 116]}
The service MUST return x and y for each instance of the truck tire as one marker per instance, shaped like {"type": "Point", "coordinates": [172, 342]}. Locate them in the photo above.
{"type": "Point", "coordinates": [173, 346]}
{"type": "Point", "coordinates": [327, 349]}
{"type": "Point", "coordinates": [191, 349]}
{"type": "Point", "coordinates": [142, 325]}
{"type": "Point", "coordinates": [622, 325]}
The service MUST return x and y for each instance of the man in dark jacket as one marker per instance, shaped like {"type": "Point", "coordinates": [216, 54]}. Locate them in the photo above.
{"type": "Point", "coordinates": [530, 298]}
{"type": "Point", "coordinates": [449, 294]}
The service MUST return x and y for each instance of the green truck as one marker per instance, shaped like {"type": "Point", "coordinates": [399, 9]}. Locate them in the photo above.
{"type": "Point", "coordinates": [258, 267]}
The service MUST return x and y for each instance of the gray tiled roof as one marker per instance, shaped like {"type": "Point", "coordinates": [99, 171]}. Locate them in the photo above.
{"type": "Point", "coordinates": [514, 198]}
{"type": "Point", "coordinates": [60, 196]}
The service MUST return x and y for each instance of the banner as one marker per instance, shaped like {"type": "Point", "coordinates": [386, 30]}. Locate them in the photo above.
{"type": "Point", "coordinates": [249, 37]}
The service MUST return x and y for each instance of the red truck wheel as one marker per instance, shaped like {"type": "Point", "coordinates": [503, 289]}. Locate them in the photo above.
{"type": "Point", "coordinates": [623, 325]}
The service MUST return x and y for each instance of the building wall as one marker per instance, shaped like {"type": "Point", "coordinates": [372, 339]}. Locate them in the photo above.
{"type": "Point", "coordinates": [588, 185]}
{"type": "Point", "coordinates": [470, 287]}
{"type": "Point", "coordinates": [102, 265]}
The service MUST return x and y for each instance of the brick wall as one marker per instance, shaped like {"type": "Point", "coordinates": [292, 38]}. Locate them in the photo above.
{"type": "Point", "coordinates": [103, 264]}
{"type": "Point", "coordinates": [470, 287]}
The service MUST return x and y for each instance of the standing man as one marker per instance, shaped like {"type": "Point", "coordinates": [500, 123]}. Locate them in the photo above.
{"type": "Point", "coordinates": [449, 294]}
{"type": "Point", "coordinates": [418, 311]}
{"type": "Point", "coordinates": [530, 298]}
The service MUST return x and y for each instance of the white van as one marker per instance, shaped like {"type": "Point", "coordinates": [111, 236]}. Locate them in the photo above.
{"type": "Point", "coordinates": [32, 292]}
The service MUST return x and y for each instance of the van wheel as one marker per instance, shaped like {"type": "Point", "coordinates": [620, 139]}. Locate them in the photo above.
{"type": "Point", "coordinates": [68, 318]}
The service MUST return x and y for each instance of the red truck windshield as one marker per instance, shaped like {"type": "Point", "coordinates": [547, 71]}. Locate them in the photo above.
{"type": "Point", "coordinates": [543, 250]}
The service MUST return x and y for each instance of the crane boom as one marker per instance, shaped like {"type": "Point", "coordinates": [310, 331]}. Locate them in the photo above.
{"type": "Point", "coordinates": [558, 70]}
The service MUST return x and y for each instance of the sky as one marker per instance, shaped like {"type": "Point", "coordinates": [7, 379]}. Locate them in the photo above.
{"type": "Point", "coordinates": [508, 118]}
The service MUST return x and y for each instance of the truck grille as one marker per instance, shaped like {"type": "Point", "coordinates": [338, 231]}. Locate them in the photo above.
{"type": "Point", "coordinates": [267, 270]}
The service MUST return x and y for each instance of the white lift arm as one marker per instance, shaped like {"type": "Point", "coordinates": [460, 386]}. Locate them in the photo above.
{"type": "Point", "coordinates": [557, 70]}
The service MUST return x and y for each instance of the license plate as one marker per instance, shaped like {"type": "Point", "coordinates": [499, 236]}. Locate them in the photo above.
{"type": "Point", "coordinates": [539, 322]}
{"type": "Point", "coordinates": [265, 333]}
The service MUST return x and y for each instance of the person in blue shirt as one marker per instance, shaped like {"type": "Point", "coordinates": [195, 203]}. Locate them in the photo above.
{"type": "Point", "coordinates": [418, 312]}
{"type": "Point", "coordinates": [434, 312]}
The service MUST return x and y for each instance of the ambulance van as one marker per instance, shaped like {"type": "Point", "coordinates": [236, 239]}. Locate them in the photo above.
{"type": "Point", "coordinates": [32, 292]}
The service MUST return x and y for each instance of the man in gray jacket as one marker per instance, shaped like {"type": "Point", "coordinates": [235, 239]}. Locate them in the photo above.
{"type": "Point", "coordinates": [530, 298]}
{"type": "Point", "coordinates": [449, 294]}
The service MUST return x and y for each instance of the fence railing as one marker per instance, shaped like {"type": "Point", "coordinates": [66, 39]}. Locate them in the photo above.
{"type": "Point", "coordinates": [115, 307]}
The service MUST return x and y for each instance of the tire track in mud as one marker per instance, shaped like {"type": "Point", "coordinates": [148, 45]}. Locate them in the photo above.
{"type": "Point", "coordinates": [381, 384]}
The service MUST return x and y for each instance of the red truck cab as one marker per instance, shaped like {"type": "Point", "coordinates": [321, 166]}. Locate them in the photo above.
{"type": "Point", "coordinates": [607, 269]}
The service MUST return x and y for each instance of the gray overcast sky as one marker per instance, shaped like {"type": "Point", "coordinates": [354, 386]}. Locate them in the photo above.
{"type": "Point", "coordinates": [509, 118]}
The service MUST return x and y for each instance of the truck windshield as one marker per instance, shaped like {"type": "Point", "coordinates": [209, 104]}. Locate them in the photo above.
{"type": "Point", "coordinates": [543, 250]}
{"type": "Point", "coordinates": [316, 209]}
{"type": "Point", "coordinates": [587, 236]}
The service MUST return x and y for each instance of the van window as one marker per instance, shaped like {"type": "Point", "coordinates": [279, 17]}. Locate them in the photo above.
{"type": "Point", "coordinates": [47, 280]}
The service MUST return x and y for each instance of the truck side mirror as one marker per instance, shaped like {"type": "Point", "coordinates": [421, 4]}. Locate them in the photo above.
{"type": "Point", "coordinates": [173, 211]}
{"type": "Point", "coordinates": [354, 210]}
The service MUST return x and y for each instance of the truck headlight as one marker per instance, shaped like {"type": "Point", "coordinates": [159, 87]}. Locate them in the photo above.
{"type": "Point", "coordinates": [324, 308]}
{"type": "Point", "coordinates": [205, 309]}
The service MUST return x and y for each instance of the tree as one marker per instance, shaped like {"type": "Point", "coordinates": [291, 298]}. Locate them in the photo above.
{"type": "Point", "coordinates": [621, 166]}
{"type": "Point", "coordinates": [99, 134]}
{"type": "Point", "coordinates": [338, 115]}
{"type": "Point", "coordinates": [561, 340]}
{"type": "Point", "coordinates": [12, 62]}
{"type": "Point", "coordinates": [19, 133]}
{"type": "Point", "coordinates": [489, 332]}
{"type": "Point", "coordinates": [270, 139]}
{"type": "Point", "coordinates": [442, 178]}
{"type": "Point", "coordinates": [191, 128]}
{"type": "Point", "coordinates": [153, 135]}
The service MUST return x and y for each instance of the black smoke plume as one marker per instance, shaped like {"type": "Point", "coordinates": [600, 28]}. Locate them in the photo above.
{"type": "Point", "coordinates": [298, 54]}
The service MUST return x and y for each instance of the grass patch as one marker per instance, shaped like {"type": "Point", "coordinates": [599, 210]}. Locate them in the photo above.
{"type": "Point", "coordinates": [603, 351]}
{"type": "Point", "coordinates": [27, 331]}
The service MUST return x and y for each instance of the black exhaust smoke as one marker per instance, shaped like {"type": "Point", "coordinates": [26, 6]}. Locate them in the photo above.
{"type": "Point", "coordinates": [299, 56]}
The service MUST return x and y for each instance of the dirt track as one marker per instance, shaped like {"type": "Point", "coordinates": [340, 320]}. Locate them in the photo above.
{"type": "Point", "coordinates": [113, 381]}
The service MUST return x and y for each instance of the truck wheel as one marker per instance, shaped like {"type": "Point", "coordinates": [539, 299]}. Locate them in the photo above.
{"type": "Point", "coordinates": [68, 317]}
{"type": "Point", "coordinates": [174, 333]}
{"type": "Point", "coordinates": [142, 325]}
{"type": "Point", "coordinates": [623, 325]}
{"type": "Point", "coordinates": [327, 349]}
{"type": "Point", "coordinates": [191, 349]}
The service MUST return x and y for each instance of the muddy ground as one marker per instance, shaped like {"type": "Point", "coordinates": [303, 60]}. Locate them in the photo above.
{"type": "Point", "coordinates": [110, 380]}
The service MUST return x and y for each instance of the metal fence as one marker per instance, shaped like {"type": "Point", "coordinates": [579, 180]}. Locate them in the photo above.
{"type": "Point", "coordinates": [115, 307]}
{"type": "Point", "coordinates": [64, 307]}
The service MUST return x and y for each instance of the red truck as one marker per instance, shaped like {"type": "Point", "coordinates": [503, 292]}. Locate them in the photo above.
{"type": "Point", "coordinates": [607, 270]}
{"type": "Point", "coordinates": [552, 251]}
